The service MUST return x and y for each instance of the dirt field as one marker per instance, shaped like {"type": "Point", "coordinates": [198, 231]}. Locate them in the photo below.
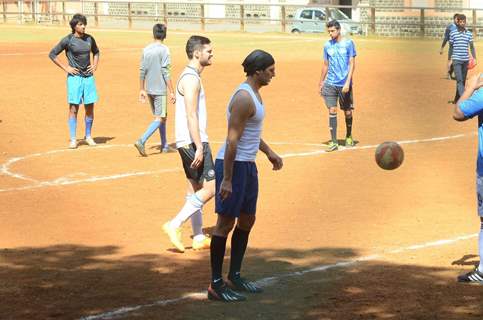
{"type": "Point", "coordinates": [336, 237]}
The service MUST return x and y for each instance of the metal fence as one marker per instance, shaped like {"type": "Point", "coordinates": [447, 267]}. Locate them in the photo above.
{"type": "Point", "coordinates": [233, 16]}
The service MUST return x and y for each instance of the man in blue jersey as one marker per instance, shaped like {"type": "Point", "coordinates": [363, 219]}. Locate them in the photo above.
{"type": "Point", "coordinates": [462, 42]}
{"type": "Point", "coordinates": [81, 87]}
{"type": "Point", "coordinates": [237, 178]}
{"type": "Point", "coordinates": [470, 105]}
{"type": "Point", "coordinates": [336, 81]}
{"type": "Point", "coordinates": [451, 27]}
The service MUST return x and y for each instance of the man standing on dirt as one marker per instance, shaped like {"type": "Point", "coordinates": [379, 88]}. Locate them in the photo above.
{"type": "Point", "coordinates": [237, 178]}
{"type": "Point", "coordinates": [462, 41]}
{"type": "Point", "coordinates": [450, 28]}
{"type": "Point", "coordinates": [469, 105]}
{"type": "Point", "coordinates": [336, 82]}
{"type": "Point", "coordinates": [155, 83]}
{"type": "Point", "coordinates": [81, 86]}
{"type": "Point", "coordinates": [192, 144]}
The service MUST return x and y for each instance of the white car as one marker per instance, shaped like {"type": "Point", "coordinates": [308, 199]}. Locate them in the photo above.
{"type": "Point", "coordinates": [312, 19]}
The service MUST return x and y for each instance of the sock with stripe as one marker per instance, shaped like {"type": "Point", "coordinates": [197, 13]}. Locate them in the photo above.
{"type": "Point", "coordinates": [217, 254]}
{"type": "Point", "coordinates": [89, 121]}
{"type": "Point", "coordinates": [72, 128]}
{"type": "Point", "coordinates": [333, 126]}
{"type": "Point", "coordinates": [192, 204]}
{"type": "Point", "coordinates": [197, 225]}
{"type": "Point", "coordinates": [348, 125]}
{"type": "Point", "coordinates": [149, 131]}
{"type": "Point", "coordinates": [239, 242]}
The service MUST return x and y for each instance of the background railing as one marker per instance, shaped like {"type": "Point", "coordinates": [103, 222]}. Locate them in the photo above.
{"type": "Point", "coordinates": [234, 16]}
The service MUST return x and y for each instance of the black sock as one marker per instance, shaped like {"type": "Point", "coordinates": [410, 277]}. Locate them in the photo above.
{"type": "Point", "coordinates": [239, 241]}
{"type": "Point", "coordinates": [348, 125]}
{"type": "Point", "coordinates": [333, 126]}
{"type": "Point", "coordinates": [217, 254]}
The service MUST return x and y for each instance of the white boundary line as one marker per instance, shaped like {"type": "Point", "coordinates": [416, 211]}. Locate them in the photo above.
{"type": "Point", "coordinates": [62, 181]}
{"type": "Point", "coordinates": [268, 281]}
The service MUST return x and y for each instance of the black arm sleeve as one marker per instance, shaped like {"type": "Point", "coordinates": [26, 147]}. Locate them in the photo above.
{"type": "Point", "coordinates": [61, 46]}
{"type": "Point", "coordinates": [94, 48]}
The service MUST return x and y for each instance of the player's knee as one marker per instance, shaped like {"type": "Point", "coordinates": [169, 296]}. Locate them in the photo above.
{"type": "Point", "coordinates": [246, 222]}
{"type": "Point", "coordinates": [223, 226]}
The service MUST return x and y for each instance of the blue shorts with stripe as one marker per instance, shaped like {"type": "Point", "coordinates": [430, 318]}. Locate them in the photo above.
{"type": "Point", "coordinates": [245, 189]}
{"type": "Point", "coordinates": [81, 90]}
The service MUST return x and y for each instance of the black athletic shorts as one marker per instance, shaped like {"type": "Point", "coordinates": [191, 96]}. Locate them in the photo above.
{"type": "Point", "coordinates": [206, 171]}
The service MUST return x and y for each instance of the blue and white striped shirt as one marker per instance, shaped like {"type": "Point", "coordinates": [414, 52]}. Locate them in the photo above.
{"type": "Point", "coordinates": [460, 40]}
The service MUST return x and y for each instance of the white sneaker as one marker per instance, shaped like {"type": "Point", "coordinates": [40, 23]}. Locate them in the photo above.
{"type": "Point", "coordinates": [73, 144]}
{"type": "Point", "coordinates": [90, 141]}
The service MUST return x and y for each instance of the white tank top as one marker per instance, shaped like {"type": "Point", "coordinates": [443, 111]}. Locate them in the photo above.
{"type": "Point", "coordinates": [183, 136]}
{"type": "Point", "coordinates": [249, 143]}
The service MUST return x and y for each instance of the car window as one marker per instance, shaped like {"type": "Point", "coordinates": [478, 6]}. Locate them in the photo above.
{"type": "Point", "coordinates": [306, 14]}
{"type": "Point", "coordinates": [319, 15]}
{"type": "Point", "coordinates": [338, 15]}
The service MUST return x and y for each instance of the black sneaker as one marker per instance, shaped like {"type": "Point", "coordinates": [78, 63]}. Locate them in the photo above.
{"type": "Point", "coordinates": [240, 284]}
{"type": "Point", "coordinates": [223, 293]}
{"type": "Point", "coordinates": [474, 276]}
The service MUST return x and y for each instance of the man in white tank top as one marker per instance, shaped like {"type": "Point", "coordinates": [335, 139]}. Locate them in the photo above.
{"type": "Point", "coordinates": [192, 144]}
{"type": "Point", "coordinates": [237, 178]}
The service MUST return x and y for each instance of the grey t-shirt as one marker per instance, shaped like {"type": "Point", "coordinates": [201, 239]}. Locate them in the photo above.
{"type": "Point", "coordinates": [77, 51]}
{"type": "Point", "coordinates": [155, 68]}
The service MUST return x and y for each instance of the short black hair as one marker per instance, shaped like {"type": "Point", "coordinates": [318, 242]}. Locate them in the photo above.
{"type": "Point", "coordinates": [159, 31]}
{"type": "Point", "coordinates": [455, 15]}
{"type": "Point", "coordinates": [333, 23]}
{"type": "Point", "coordinates": [76, 19]}
{"type": "Point", "coordinates": [461, 17]}
{"type": "Point", "coordinates": [257, 60]}
{"type": "Point", "coordinates": [195, 43]}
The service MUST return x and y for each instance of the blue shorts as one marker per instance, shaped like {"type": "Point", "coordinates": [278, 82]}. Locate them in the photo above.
{"type": "Point", "coordinates": [245, 189]}
{"type": "Point", "coordinates": [81, 90]}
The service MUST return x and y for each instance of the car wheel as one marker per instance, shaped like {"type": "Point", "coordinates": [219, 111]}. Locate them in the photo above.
{"type": "Point", "coordinates": [296, 31]}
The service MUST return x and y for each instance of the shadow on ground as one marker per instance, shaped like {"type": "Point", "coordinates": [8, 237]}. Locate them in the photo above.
{"type": "Point", "coordinates": [73, 281]}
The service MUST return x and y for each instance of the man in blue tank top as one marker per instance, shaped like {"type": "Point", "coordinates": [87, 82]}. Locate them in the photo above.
{"type": "Point", "coordinates": [237, 178]}
{"type": "Point", "coordinates": [468, 106]}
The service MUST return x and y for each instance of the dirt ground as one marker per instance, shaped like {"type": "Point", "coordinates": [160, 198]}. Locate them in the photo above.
{"type": "Point", "coordinates": [336, 237]}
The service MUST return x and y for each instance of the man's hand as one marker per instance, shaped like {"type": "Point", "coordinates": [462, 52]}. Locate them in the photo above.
{"type": "Point", "coordinates": [198, 160]}
{"type": "Point", "coordinates": [225, 189]}
{"type": "Point", "coordinates": [345, 88]}
{"type": "Point", "coordinates": [321, 86]}
{"type": "Point", "coordinates": [276, 161]}
{"type": "Point", "coordinates": [143, 96]}
{"type": "Point", "coordinates": [172, 97]}
{"type": "Point", "coordinates": [475, 82]}
{"type": "Point", "coordinates": [72, 71]}
{"type": "Point", "coordinates": [92, 68]}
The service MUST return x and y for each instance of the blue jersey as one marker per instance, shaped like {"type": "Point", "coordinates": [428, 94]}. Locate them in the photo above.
{"type": "Point", "coordinates": [460, 40]}
{"type": "Point", "coordinates": [338, 55]}
{"type": "Point", "coordinates": [471, 107]}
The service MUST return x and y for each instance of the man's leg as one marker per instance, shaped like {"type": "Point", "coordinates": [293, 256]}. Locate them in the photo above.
{"type": "Point", "coordinates": [218, 290]}
{"type": "Point", "coordinates": [476, 276]}
{"type": "Point", "coordinates": [73, 110]}
{"type": "Point", "coordinates": [330, 97]}
{"type": "Point", "coordinates": [89, 119]}
{"type": "Point", "coordinates": [162, 133]}
{"type": "Point", "coordinates": [156, 109]}
{"type": "Point", "coordinates": [460, 82]}
{"type": "Point", "coordinates": [346, 103]}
